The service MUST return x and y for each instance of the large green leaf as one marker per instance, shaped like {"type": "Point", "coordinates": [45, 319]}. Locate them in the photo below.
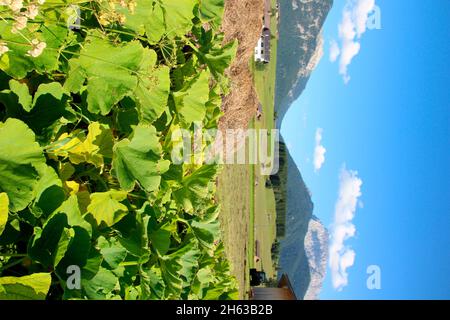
{"type": "Point", "coordinates": [207, 229]}
{"type": "Point", "coordinates": [195, 188]}
{"type": "Point", "coordinates": [191, 100]}
{"type": "Point", "coordinates": [153, 88]}
{"type": "Point", "coordinates": [18, 157]}
{"type": "Point", "coordinates": [71, 209]}
{"type": "Point", "coordinates": [112, 251]}
{"type": "Point", "coordinates": [170, 18]}
{"type": "Point", "coordinates": [22, 92]}
{"type": "Point", "coordinates": [4, 204]}
{"type": "Point", "coordinates": [100, 286]}
{"type": "Point", "coordinates": [160, 239]}
{"type": "Point", "coordinates": [78, 252]}
{"type": "Point", "coordinates": [110, 71]}
{"type": "Point", "coordinates": [219, 58]}
{"type": "Point", "coordinates": [107, 207]}
{"type": "Point", "coordinates": [48, 105]}
{"type": "Point", "coordinates": [211, 11]}
{"type": "Point", "coordinates": [49, 192]}
{"type": "Point", "coordinates": [137, 244]}
{"type": "Point", "coordinates": [179, 267]}
{"type": "Point", "coordinates": [139, 160]}
{"type": "Point", "coordinates": [50, 244]}
{"type": "Point", "coordinates": [32, 287]}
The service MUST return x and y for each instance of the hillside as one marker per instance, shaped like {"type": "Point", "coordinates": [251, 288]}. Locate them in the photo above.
{"type": "Point", "coordinates": [299, 210]}
{"type": "Point", "coordinates": [299, 48]}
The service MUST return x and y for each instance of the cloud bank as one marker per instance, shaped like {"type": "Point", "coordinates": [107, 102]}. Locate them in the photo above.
{"type": "Point", "coordinates": [352, 26]}
{"type": "Point", "coordinates": [341, 256]}
{"type": "Point", "coordinates": [319, 151]}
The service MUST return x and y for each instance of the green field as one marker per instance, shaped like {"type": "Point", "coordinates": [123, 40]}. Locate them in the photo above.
{"type": "Point", "coordinates": [264, 209]}
{"type": "Point", "coordinates": [234, 196]}
{"type": "Point", "coordinates": [248, 207]}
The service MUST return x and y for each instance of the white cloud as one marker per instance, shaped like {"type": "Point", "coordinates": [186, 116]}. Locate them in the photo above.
{"type": "Point", "coordinates": [353, 25]}
{"type": "Point", "coordinates": [319, 151]}
{"type": "Point", "coordinates": [334, 51]}
{"type": "Point", "coordinates": [341, 256]}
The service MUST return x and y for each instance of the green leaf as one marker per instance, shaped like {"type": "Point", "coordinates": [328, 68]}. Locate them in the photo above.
{"type": "Point", "coordinates": [71, 209]}
{"type": "Point", "coordinates": [49, 245]}
{"type": "Point", "coordinates": [47, 90]}
{"type": "Point", "coordinates": [48, 106]}
{"type": "Point", "coordinates": [139, 160]}
{"type": "Point", "coordinates": [112, 251]}
{"type": "Point", "coordinates": [77, 253]}
{"type": "Point", "coordinates": [160, 239]}
{"type": "Point", "coordinates": [191, 100]}
{"type": "Point", "coordinates": [219, 59]}
{"type": "Point", "coordinates": [18, 157]}
{"type": "Point", "coordinates": [4, 204]}
{"type": "Point", "coordinates": [207, 230]}
{"type": "Point", "coordinates": [102, 284]}
{"type": "Point", "coordinates": [153, 88]}
{"type": "Point", "coordinates": [106, 207]}
{"type": "Point", "coordinates": [63, 245]}
{"type": "Point", "coordinates": [211, 11]}
{"type": "Point", "coordinates": [138, 19]}
{"type": "Point", "coordinates": [178, 267]}
{"type": "Point", "coordinates": [170, 18]}
{"type": "Point", "coordinates": [22, 92]}
{"type": "Point", "coordinates": [32, 287]}
{"type": "Point", "coordinates": [93, 148]}
{"type": "Point", "coordinates": [110, 71]}
{"type": "Point", "coordinates": [49, 192]}
{"type": "Point", "coordinates": [195, 188]}
{"type": "Point", "coordinates": [17, 63]}
{"type": "Point", "coordinates": [156, 283]}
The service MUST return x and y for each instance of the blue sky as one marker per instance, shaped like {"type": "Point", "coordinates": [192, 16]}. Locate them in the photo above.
{"type": "Point", "coordinates": [390, 125]}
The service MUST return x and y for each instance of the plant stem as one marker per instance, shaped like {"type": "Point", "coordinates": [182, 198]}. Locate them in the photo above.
{"type": "Point", "coordinates": [12, 264]}
{"type": "Point", "coordinates": [13, 255]}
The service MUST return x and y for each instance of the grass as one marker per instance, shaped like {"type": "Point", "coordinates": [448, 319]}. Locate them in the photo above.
{"type": "Point", "coordinates": [263, 208]}
{"type": "Point", "coordinates": [233, 194]}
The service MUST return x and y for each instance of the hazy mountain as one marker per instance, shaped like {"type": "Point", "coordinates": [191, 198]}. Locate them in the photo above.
{"type": "Point", "coordinates": [316, 246]}
{"type": "Point", "coordinates": [304, 247]}
{"type": "Point", "coordinates": [299, 211]}
{"type": "Point", "coordinates": [300, 47]}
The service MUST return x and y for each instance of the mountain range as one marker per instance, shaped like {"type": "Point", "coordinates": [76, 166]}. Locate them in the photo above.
{"type": "Point", "coordinates": [304, 246]}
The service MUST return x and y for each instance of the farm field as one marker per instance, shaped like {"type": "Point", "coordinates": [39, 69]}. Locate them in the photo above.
{"type": "Point", "coordinates": [242, 190]}
{"type": "Point", "coordinates": [234, 196]}
{"type": "Point", "coordinates": [264, 215]}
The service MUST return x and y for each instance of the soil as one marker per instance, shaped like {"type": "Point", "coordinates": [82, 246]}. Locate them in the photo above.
{"type": "Point", "coordinates": [242, 21]}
